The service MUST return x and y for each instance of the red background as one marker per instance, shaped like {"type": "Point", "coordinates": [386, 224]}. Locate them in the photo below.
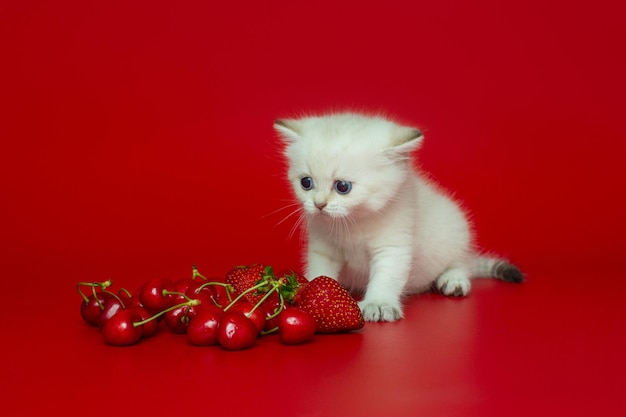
{"type": "Point", "coordinates": [136, 140]}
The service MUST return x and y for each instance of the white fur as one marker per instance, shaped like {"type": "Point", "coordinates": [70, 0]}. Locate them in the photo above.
{"type": "Point", "coordinates": [395, 232]}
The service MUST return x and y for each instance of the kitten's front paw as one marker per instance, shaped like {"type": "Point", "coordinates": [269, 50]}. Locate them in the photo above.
{"type": "Point", "coordinates": [380, 311]}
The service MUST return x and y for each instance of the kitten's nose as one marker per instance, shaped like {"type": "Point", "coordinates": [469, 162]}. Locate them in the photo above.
{"type": "Point", "coordinates": [320, 205]}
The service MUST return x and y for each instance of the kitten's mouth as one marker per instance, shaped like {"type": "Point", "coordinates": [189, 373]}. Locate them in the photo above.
{"type": "Point", "coordinates": [326, 215]}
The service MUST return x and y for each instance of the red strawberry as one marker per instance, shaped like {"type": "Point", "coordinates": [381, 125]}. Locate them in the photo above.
{"type": "Point", "coordinates": [287, 273]}
{"type": "Point", "coordinates": [331, 305]}
{"type": "Point", "coordinates": [292, 283]}
{"type": "Point", "coordinates": [245, 277]}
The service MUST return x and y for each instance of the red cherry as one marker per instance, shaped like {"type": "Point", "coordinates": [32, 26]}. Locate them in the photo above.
{"type": "Point", "coordinates": [221, 296]}
{"type": "Point", "coordinates": [119, 330]}
{"type": "Point", "coordinates": [202, 329]}
{"type": "Point", "coordinates": [135, 299]}
{"type": "Point", "coordinates": [149, 327]}
{"type": "Point", "coordinates": [152, 296]}
{"type": "Point", "coordinates": [125, 297]}
{"type": "Point", "coordinates": [295, 326]}
{"type": "Point", "coordinates": [111, 307]}
{"type": "Point", "coordinates": [182, 284]}
{"type": "Point", "coordinates": [181, 287]}
{"type": "Point", "coordinates": [270, 308]}
{"type": "Point", "coordinates": [236, 331]}
{"type": "Point", "coordinates": [205, 295]}
{"type": "Point", "coordinates": [132, 301]}
{"type": "Point", "coordinates": [257, 316]}
{"type": "Point", "coordinates": [177, 319]}
{"type": "Point", "coordinates": [90, 309]}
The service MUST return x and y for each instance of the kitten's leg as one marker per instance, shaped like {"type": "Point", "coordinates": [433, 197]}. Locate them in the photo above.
{"type": "Point", "coordinates": [454, 282]}
{"type": "Point", "coordinates": [323, 259]}
{"type": "Point", "coordinates": [388, 275]}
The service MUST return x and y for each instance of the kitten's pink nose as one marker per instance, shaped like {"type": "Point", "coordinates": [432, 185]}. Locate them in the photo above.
{"type": "Point", "coordinates": [320, 205]}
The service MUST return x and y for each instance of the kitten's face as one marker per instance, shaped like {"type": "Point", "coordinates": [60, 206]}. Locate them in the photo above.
{"type": "Point", "coordinates": [341, 167]}
{"type": "Point", "coordinates": [336, 185]}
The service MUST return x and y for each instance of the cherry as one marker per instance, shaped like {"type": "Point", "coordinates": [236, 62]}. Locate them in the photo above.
{"type": "Point", "coordinates": [149, 323]}
{"type": "Point", "coordinates": [223, 296]}
{"type": "Point", "coordinates": [255, 312]}
{"type": "Point", "coordinates": [295, 326]}
{"type": "Point", "coordinates": [120, 329]}
{"type": "Point", "coordinates": [272, 310]}
{"type": "Point", "coordinates": [149, 327]}
{"type": "Point", "coordinates": [182, 284]}
{"type": "Point", "coordinates": [257, 315]}
{"type": "Point", "coordinates": [152, 296]}
{"type": "Point", "coordinates": [181, 287]}
{"type": "Point", "coordinates": [206, 294]}
{"type": "Point", "coordinates": [177, 319]}
{"type": "Point", "coordinates": [91, 307]}
{"type": "Point", "coordinates": [221, 292]}
{"type": "Point", "coordinates": [203, 328]}
{"type": "Point", "coordinates": [236, 331]}
{"type": "Point", "coordinates": [112, 306]}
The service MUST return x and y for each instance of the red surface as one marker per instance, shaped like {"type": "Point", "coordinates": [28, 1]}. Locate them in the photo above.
{"type": "Point", "coordinates": [137, 140]}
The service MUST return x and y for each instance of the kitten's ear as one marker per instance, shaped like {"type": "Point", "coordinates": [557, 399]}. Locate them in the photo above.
{"type": "Point", "coordinates": [288, 129]}
{"type": "Point", "coordinates": [404, 142]}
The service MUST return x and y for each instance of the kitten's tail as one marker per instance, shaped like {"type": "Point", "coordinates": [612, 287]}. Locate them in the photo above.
{"type": "Point", "coordinates": [488, 267]}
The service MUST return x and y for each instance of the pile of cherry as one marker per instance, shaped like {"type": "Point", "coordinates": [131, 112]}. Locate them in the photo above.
{"type": "Point", "coordinates": [251, 301]}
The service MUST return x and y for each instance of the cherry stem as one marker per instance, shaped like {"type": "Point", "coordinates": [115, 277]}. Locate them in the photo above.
{"type": "Point", "coordinates": [254, 288]}
{"type": "Point", "coordinates": [275, 286]}
{"type": "Point", "coordinates": [273, 330]}
{"type": "Point", "coordinates": [93, 285]}
{"type": "Point", "coordinates": [229, 288]}
{"type": "Point", "coordinates": [279, 309]}
{"type": "Point", "coordinates": [195, 273]}
{"type": "Point", "coordinates": [125, 291]}
{"type": "Point", "coordinates": [117, 297]}
{"type": "Point", "coordinates": [190, 303]}
{"type": "Point", "coordinates": [167, 292]}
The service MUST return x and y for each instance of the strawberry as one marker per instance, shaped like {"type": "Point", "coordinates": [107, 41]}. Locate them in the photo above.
{"type": "Point", "coordinates": [244, 277]}
{"type": "Point", "coordinates": [331, 305]}
{"type": "Point", "coordinates": [292, 282]}
{"type": "Point", "coordinates": [289, 283]}
{"type": "Point", "coordinates": [286, 273]}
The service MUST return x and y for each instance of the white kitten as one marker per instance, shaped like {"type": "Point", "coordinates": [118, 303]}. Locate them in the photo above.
{"type": "Point", "coordinates": [374, 222]}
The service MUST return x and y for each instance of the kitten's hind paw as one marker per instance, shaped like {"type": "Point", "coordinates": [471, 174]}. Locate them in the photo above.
{"type": "Point", "coordinates": [453, 283]}
{"type": "Point", "coordinates": [380, 312]}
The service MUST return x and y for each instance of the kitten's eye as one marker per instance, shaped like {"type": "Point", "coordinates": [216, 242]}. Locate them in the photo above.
{"type": "Point", "coordinates": [306, 183]}
{"type": "Point", "coordinates": [343, 187]}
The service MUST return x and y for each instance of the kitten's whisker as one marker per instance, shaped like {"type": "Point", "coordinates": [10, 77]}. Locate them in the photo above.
{"type": "Point", "coordinates": [351, 225]}
{"type": "Point", "coordinates": [288, 206]}
{"type": "Point", "coordinates": [297, 224]}
{"type": "Point", "coordinates": [297, 211]}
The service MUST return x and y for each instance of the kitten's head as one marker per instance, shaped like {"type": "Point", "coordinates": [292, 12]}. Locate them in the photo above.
{"type": "Point", "coordinates": [346, 165]}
